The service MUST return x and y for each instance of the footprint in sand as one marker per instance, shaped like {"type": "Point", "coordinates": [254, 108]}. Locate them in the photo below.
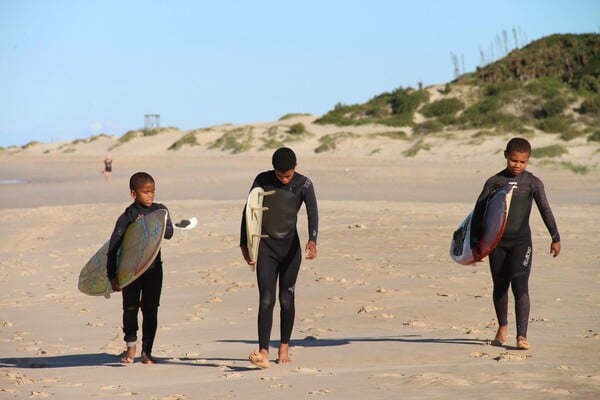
{"type": "Point", "coordinates": [38, 395]}
{"type": "Point", "coordinates": [282, 386]}
{"type": "Point", "coordinates": [590, 334]}
{"type": "Point", "coordinates": [303, 370]}
{"type": "Point", "coordinates": [319, 391]}
{"type": "Point", "coordinates": [512, 357]}
{"type": "Point", "coordinates": [110, 387]}
{"type": "Point", "coordinates": [415, 323]}
{"type": "Point", "coordinates": [557, 391]}
{"type": "Point", "coordinates": [216, 298]}
{"type": "Point", "coordinates": [384, 290]}
{"type": "Point", "coordinates": [368, 309]}
{"type": "Point", "coordinates": [235, 375]}
{"type": "Point", "coordinates": [235, 286]}
{"type": "Point", "coordinates": [269, 378]}
{"type": "Point", "coordinates": [387, 375]}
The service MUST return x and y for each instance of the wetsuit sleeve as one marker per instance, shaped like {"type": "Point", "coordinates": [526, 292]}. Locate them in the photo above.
{"type": "Point", "coordinates": [539, 195]}
{"type": "Point", "coordinates": [312, 211]}
{"type": "Point", "coordinates": [115, 242]}
{"type": "Point", "coordinates": [169, 228]}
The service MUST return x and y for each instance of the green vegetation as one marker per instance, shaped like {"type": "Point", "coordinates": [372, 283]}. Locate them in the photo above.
{"type": "Point", "coordinates": [416, 147]}
{"type": "Point", "coordinates": [397, 135]}
{"type": "Point", "coordinates": [430, 126]}
{"type": "Point", "coordinates": [293, 115]}
{"type": "Point", "coordinates": [554, 150]}
{"type": "Point", "coordinates": [554, 107]}
{"type": "Point", "coordinates": [578, 169]}
{"type": "Point", "coordinates": [186, 140]}
{"type": "Point", "coordinates": [569, 58]}
{"type": "Point", "coordinates": [297, 129]}
{"type": "Point", "coordinates": [330, 142]}
{"type": "Point", "coordinates": [555, 124]}
{"type": "Point", "coordinates": [30, 144]}
{"type": "Point", "coordinates": [591, 105]}
{"type": "Point", "coordinates": [393, 109]}
{"type": "Point", "coordinates": [280, 135]}
{"type": "Point", "coordinates": [236, 140]}
{"type": "Point", "coordinates": [129, 135]}
{"type": "Point", "coordinates": [442, 107]}
{"type": "Point", "coordinates": [571, 134]}
{"type": "Point", "coordinates": [575, 168]}
{"type": "Point", "coordinates": [594, 137]}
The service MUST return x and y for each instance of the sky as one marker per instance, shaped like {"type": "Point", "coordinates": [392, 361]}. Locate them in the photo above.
{"type": "Point", "coordinates": [74, 69]}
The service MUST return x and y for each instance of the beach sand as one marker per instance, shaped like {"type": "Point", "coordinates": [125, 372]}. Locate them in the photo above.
{"type": "Point", "coordinates": [382, 313]}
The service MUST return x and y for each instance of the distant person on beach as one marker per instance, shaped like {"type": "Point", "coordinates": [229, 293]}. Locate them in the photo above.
{"type": "Point", "coordinates": [510, 262]}
{"type": "Point", "coordinates": [280, 253]}
{"type": "Point", "coordinates": [107, 169]}
{"type": "Point", "coordinates": [145, 291]}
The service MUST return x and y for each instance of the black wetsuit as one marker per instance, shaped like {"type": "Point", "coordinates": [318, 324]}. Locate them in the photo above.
{"type": "Point", "coordinates": [145, 291]}
{"type": "Point", "coordinates": [510, 261]}
{"type": "Point", "coordinates": [280, 254]}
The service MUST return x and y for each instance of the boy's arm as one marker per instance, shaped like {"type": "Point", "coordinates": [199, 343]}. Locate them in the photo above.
{"type": "Point", "coordinates": [169, 228]}
{"type": "Point", "coordinates": [312, 212]}
{"type": "Point", "coordinates": [541, 201]}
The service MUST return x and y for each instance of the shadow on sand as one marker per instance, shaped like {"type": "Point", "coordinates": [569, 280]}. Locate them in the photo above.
{"type": "Point", "coordinates": [112, 360]}
{"type": "Point", "coordinates": [311, 341]}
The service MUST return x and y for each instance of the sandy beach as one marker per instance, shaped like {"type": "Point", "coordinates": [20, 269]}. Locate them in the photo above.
{"type": "Point", "coordinates": [382, 313]}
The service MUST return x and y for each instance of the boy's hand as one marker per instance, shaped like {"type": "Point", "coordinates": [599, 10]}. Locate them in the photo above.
{"type": "Point", "coordinates": [555, 249]}
{"type": "Point", "coordinates": [115, 285]}
{"type": "Point", "coordinates": [311, 250]}
{"type": "Point", "coordinates": [246, 254]}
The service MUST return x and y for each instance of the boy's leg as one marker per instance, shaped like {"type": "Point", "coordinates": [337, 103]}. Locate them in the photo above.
{"type": "Point", "coordinates": [521, 258]}
{"type": "Point", "coordinates": [131, 301]}
{"type": "Point", "coordinates": [266, 278]}
{"type": "Point", "coordinates": [151, 290]}
{"type": "Point", "coordinates": [501, 279]}
{"type": "Point", "coordinates": [287, 283]}
{"type": "Point", "coordinates": [266, 275]}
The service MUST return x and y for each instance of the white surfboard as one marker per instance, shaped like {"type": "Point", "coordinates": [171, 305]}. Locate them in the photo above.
{"type": "Point", "coordinates": [254, 213]}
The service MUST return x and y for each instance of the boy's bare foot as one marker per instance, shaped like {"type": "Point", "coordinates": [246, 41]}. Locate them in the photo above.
{"type": "Point", "coordinates": [522, 343]}
{"type": "Point", "coordinates": [500, 338]}
{"type": "Point", "coordinates": [128, 355]}
{"type": "Point", "coordinates": [284, 356]}
{"type": "Point", "coordinates": [147, 358]}
{"type": "Point", "coordinates": [259, 358]}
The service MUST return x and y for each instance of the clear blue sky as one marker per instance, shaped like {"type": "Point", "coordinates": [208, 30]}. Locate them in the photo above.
{"type": "Point", "coordinates": [73, 69]}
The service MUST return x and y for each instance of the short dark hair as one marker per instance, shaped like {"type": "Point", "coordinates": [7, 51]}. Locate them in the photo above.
{"type": "Point", "coordinates": [284, 159]}
{"type": "Point", "coordinates": [519, 145]}
{"type": "Point", "coordinates": [138, 179]}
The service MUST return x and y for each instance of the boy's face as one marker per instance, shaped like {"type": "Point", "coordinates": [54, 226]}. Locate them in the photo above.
{"type": "Point", "coordinates": [286, 176]}
{"type": "Point", "coordinates": [516, 162]}
{"type": "Point", "coordinates": [144, 194]}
